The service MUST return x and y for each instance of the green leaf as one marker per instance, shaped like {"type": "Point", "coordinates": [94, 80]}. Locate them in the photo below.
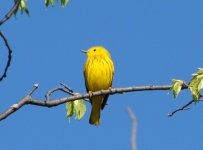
{"type": "Point", "coordinates": [176, 87]}
{"type": "Point", "coordinates": [22, 4]}
{"type": "Point", "coordinates": [64, 2]}
{"type": "Point", "coordinates": [51, 2]}
{"type": "Point", "coordinates": [193, 81]}
{"type": "Point", "coordinates": [196, 84]}
{"type": "Point", "coordinates": [77, 108]}
{"type": "Point", "coordinates": [200, 71]}
{"type": "Point", "coordinates": [27, 11]}
{"type": "Point", "coordinates": [46, 3]}
{"type": "Point", "coordinates": [199, 77]}
{"type": "Point", "coordinates": [195, 94]}
{"type": "Point", "coordinates": [69, 109]}
{"type": "Point", "coordinates": [200, 85]}
{"type": "Point", "coordinates": [22, 7]}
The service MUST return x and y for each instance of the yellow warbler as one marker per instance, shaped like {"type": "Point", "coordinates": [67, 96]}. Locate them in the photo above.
{"type": "Point", "coordinates": [98, 74]}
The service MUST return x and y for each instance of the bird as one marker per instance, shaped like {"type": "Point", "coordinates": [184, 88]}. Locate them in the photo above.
{"type": "Point", "coordinates": [98, 75]}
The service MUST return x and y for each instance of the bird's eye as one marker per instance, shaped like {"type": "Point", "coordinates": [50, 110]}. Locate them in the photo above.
{"type": "Point", "coordinates": [94, 50]}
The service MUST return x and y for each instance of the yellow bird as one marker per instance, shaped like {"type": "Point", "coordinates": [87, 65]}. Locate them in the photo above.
{"type": "Point", "coordinates": [98, 74]}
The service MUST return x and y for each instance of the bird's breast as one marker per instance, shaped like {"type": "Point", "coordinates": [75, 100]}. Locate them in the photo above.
{"type": "Point", "coordinates": [98, 73]}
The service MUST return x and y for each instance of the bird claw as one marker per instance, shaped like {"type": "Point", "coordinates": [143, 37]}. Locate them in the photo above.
{"type": "Point", "coordinates": [90, 94]}
{"type": "Point", "coordinates": [110, 88]}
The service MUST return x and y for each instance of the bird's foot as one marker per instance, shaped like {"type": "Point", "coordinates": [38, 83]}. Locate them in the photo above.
{"type": "Point", "coordinates": [90, 94]}
{"type": "Point", "coordinates": [110, 88]}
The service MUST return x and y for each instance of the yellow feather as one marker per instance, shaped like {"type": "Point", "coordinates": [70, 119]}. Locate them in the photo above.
{"type": "Point", "coordinates": [98, 74]}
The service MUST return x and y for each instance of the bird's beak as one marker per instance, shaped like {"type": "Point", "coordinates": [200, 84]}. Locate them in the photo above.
{"type": "Point", "coordinates": [84, 51]}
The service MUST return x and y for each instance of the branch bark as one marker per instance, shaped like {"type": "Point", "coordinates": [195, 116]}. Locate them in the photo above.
{"type": "Point", "coordinates": [10, 13]}
{"type": "Point", "coordinates": [52, 103]}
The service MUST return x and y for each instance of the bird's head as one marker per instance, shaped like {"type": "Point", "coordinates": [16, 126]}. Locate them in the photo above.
{"type": "Point", "coordinates": [97, 51]}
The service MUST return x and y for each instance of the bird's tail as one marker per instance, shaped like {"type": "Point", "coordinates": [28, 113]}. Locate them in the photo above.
{"type": "Point", "coordinates": [95, 113]}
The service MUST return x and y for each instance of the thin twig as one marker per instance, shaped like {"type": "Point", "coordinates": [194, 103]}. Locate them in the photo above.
{"type": "Point", "coordinates": [68, 88]}
{"type": "Point", "coordinates": [35, 86]}
{"type": "Point", "coordinates": [10, 13]}
{"type": "Point", "coordinates": [31, 101]}
{"type": "Point", "coordinates": [9, 56]}
{"type": "Point", "coordinates": [185, 107]}
{"type": "Point", "coordinates": [65, 89]}
{"type": "Point", "coordinates": [48, 94]}
{"type": "Point", "coordinates": [134, 128]}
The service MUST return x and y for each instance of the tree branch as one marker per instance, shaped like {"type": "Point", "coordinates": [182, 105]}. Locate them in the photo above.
{"type": "Point", "coordinates": [185, 107]}
{"type": "Point", "coordinates": [64, 88]}
{"type": "Point", "coordinates": [10, 13]}
{"type": "Point", "coordinates": [52, 103]}
{"type": "Point", "coordinates": [9, 56]}
{"type": "Point", "coordinates": [134, 128]}
{"type": "Point", "coordinates": [3, 20]}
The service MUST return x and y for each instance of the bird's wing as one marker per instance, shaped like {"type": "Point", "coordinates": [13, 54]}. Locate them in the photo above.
{"type": "Point", "coordinates": [106, 96]}
{"type": "Point", "coordinates": [104, 101]}
{"type": "Point", "coordinates": [85, 77]}
{"type": "Point", "coordinates": [85, 81]}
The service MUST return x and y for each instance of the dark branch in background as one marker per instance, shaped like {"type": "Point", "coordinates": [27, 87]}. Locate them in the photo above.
{"type": "Point", "coordinates": [9, 56]}
{"type": "Point", "coordinates": [3, 20]}
{"type": "Point", "coordinates": [51, 103]}
{"type": "Point", "coordinates": [11, 12]}
{"type": "Point", "coordinates": [134, 128]}
{"type": "Point", "coordinates": [185, 107]}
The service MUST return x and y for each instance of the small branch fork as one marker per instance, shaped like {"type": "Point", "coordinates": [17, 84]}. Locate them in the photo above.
{"type": "Point", "coordinates": [63, 88]}
{"type": "Point", "coordinates": [74, 96]}
{"type": "Point", "coordinates": [2, 21]}
{"type": "Point", "coordinates": [185, 107]}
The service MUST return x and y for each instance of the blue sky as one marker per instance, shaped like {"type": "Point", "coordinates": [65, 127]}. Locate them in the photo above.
{"type": "Point", "coordinates": [151, 42]}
